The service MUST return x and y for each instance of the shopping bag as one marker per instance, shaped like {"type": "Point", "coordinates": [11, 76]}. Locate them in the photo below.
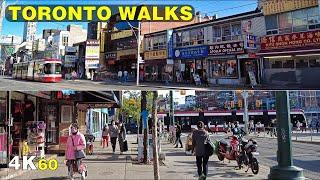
{"type": "Point", "coordinates": [125, 145]}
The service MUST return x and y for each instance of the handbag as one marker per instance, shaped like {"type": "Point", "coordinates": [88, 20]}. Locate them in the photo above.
{"type": "Point", "coordinates": [79, 154]}
{"type": "Point", "coordinates": [209, 148]}
{"type": "Point", "coordinates": [125, 145]}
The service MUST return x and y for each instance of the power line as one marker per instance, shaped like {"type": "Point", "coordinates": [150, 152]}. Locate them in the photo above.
{"type": "Point", "coordinates": [235, 7]}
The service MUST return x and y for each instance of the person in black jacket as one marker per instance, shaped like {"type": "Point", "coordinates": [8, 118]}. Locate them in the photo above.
{"type": "Point", "coordinates": [178, 136]}
{"type": "Point", "coordinates": [198, 142]}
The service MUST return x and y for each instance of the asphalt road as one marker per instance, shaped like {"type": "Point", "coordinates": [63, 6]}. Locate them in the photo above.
{"type": "Point", "coordinates": [7, 83]}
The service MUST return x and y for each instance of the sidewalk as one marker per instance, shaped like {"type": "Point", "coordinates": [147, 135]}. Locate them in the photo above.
{"type": "Point", "coordinates": [180, 166]}
{"type": "Point", "coordinates": [105, 165]}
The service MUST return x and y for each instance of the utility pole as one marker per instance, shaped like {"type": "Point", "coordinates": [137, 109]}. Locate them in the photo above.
{"type": "Point", "coordinates": [145, 126]}
{"type": "Point", "coordinates": [245, 114]}
{"type": "Point", "coordinates": [138, 56]}
{"type": "Point", "coordinates": [171, 108]}
{"type": "Point", "coordinates": [285, 168]}
{"type": "Point", "coordinates": [155, 136]}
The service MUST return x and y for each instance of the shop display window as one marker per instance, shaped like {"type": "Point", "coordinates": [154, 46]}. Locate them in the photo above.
{"type": "Point", "coordinates": [224, 68]}
{"type": "Point", "coordinates": [314, 62]}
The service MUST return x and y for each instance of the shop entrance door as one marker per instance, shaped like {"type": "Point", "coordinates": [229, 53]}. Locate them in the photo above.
{"type": "Point", "coordinates": [189, 71]}
{"type": "Point", "coordinates": [246, 66]}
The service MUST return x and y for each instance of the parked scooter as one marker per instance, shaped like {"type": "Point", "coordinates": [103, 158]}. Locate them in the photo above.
{"type": "Point", "coordinates": [248, 153]}
{"type": "Point", "coordinates": [229, 148]}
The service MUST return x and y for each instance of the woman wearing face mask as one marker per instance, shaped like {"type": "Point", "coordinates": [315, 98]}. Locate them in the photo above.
{"type": "Point", "coordinates": [122, 136]}
{"type": "Point", "coordinates": [76, 141]}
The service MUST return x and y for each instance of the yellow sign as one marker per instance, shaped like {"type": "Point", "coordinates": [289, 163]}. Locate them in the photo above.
{"type": "Point", "coordinates": [121, 34]}
{"type": "Point", "coordinates": [126, 53]}
{"type": "Point", "coordinates": [161, 54]}
{"type": "Point", "coordinates": [275, 6]}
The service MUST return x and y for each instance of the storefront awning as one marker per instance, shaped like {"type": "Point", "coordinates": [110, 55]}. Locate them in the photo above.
{"type": "Point", "coordinates": [40, 94]}
{"type": "Point", "coordinates": [102, 99]}
{"type": "Point", "coordinates": [290, 52]}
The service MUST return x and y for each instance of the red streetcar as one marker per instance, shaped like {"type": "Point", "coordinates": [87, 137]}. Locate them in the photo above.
{"type": "Point", "coordinates": [45, 70]}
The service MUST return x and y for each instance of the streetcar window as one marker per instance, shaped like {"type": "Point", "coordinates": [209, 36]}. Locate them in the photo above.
{"type": "Point", "coordinates": [52, 68]}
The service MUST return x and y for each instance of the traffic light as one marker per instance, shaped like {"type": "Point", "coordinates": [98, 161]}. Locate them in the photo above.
{"type": "Point", "coordinates": [258, 103]}
{"type": "Point", "coordinates": [240, 103]}
{"type": "Point", "coordinates": [232, 104]}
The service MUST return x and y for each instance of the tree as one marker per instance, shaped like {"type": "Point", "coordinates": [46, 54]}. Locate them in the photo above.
{"type": "Point", "coordinates": [131, 105]}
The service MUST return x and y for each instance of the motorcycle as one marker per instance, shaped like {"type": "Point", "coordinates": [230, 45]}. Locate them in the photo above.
{"type": "Point", "coordinates": [248, 153]}
{"type": "Point", "coordinates": [228, 149]}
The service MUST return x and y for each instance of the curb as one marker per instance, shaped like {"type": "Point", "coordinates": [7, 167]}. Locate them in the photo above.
{"type": "Point", "coordinates": [293, 140]}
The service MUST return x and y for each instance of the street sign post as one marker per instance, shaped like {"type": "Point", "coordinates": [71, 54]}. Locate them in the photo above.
{"type": "Point", "coordinates": [285, 168]}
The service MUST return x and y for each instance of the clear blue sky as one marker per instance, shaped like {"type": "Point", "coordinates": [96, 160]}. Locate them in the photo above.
{"type": "Point", "coordinates": [211, 7]}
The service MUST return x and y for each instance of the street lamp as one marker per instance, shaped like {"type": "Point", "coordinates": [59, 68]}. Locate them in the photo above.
{"type": "Point", "coordinates": [139, 44]}
{"type": "Point", "coordinates": [245, 95]}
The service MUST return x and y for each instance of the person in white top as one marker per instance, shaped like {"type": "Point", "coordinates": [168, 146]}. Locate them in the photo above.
{"type": "Point", "coordinates": [119, 75]}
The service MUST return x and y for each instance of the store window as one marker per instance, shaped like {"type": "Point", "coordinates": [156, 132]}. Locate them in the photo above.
{"type": "Point", "coordinates": [301, 63]}
{"type": "Point", "coordinates": [217, 34]}
{"type": "Point", "coordinates": [314, 62]}
{"type": "Point", "coordinates": [189, 37]}
{"type": "Point", "coordinates": [300, 20]}
{"type": "Point", "coordinates": [224, 69]}
{"type": "Point", "coordinates": [65, 40]}
{"type": "Point", "coordinates": [276, 64]}
{"type": "Point", "coordinates": [236, 31]}
{"type": "Point", "coordinates": [295, 21]}
{"type": "Point", "coordinates": [288, 64]}
{"type": "Point", "coordinates": [95, 124]}
{"type": "Point", "coordinates": [271, 24]}
{"type": "Point", "coordinates": [285, 23]}
{"type": "Point", "coordinates": [159, 42]}
{"type": "Point", "coordinates": [226, 32]}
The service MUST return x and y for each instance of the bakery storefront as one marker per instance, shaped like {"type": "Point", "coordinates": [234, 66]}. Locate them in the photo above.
{"type": "Point", "coordinates": [292, 59]}
{"type": "Point", "coordinates": [188, 61]}
{"type": "Point", "coordinates": [155, 65]}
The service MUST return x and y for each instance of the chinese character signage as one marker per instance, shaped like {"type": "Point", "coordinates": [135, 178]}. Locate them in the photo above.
{"type": "Point", "coordinates": [92, 49]}
{"type": "Point", "coordinates": [170, 44]}
{"type": "Point", "coordinates": [121, 34]}
{"type": "Point", "coordinates": [111, 56]}
{"type": "Point", "coordinates": [226, 49]}
{"type": "Point", "coordinates": [92, 64]}
{"type": "Point", "coordinates": [161, 54]}
{"type": "Point", "coordinates": [191, 53]}
{"type": "Point", "coordinates": [279, 6]}
{"type": "Point", "coordinates": [289, 41]}
{"type": "Point", "coordinates": [251, 42]}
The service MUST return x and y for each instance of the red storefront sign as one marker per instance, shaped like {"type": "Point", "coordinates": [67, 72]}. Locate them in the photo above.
{"type": "Point", "coordinates": [310, 39]}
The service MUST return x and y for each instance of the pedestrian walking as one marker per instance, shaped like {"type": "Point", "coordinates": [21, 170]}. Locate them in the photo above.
{"type": "Point", "coordinates": [105, 136]}
{"type": "Point", "coordinates": [318, 126]}
{"type": "Point", "coordinates": [225, 127]}
{"type": "Point", "coordinates": [199, 137]}
{"type": "Point", "coordinates": [120, 75]}
{"type": "Point", "coordinates": [113, 131]}
{"type": "Point", "coordinates": [74, 75]}
{"type": "Point", "coordinates": [216, 127]}
{"type": "Point", "coordinates": [122, 137]}
{"type": "Point", "coordinates": [75, 142]}
{"type": "Point", "coordinates": [298, 125]}
{"type": "Point", "coordinates": [125, 76]}
{"type": "Point", "coordinates": [178, 136]}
